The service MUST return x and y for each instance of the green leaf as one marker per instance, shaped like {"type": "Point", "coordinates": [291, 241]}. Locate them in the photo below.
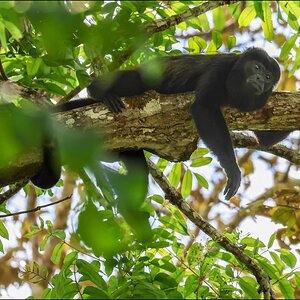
{"type": "Point", "coordinates": [110, 264]}
{"type": "Point", "coordinates": [100, 233]}
{"type": "Point", "coordinates": [193, 46]}
{"type": "Point", "coordinates": [157, 198]}
{"type": "Point", "coordinates": [175, 174]}
{"type": "Point", "coordinates": [166, 280]}
{"type": "Point", "coordinates": [199, 152]}
{"type": "Point", "coordinates": [211, 49]}
{"type": "Point", "coordinates": [91, 273]}
{"type": "Point", "coordinates": [217, 38]}
{"type": "Point", "coordinates": [187, 182]}
{"type": "Point", "coordinates": [202, 292]}
{"type": "Point", "coordinates": [3, 36]}
{"type": "Point", "coordinates": [268, 267]}
{"type": "Point", "coordinates": [59, 234]}
{"type": "Point", "coordinates": [219, 18]}
{"type": "Point", "coordinates": [197, 43]}
{"type": "Point", "coordinates": [202, 161]}
{"type": "Point", "coordinates": [191, 285]}
{"type": "Point", "coordinates": [287, 47]}
{"type": "Point", "coordinates": [69, 259]}
{"type": "Point", "coordinates": [13, 29]}
{"type": "Point", "coordinates": [249, 286]}
{"type": "Point", "coordinates": [286, 289]}
{"type": "Point", "coordinates": [293, 8]}
{"type": "Point", "coordinates": [297, 278]}
{"type": "Point", "coordinates": [180, 219]}
{"type": "Point", "coordinates": [231, 42]}
{"type": "Point", "coordinates": [288, 257]}
{"type": "Point", "coordinates": [44, 242]}
{"type": "Point", "coordinates": [54, 88]}
{"type": "Point", "coordinates": [145, 290]}
{"type": "Point", "coordinates": [204, 22]}
{"type": "Point", "coordinates": [32, 66]}
{"type": "Point", "coordinates": [178, 7]}
{"type": "Point", "coordinates": [247, 15]}
{"type": "Point", "coordinates": [201, 180]}
{"type": "Point", "coordinates": [3, 231]}
{"type": "Point", "coordinates": [259, 9]}
{"type": "Point", "coordinates": [267, 25]}
{"type": "Point", "coordinates": [194, 22]}
{"type": "Point", "coordinates": [1, 247]}
{"type": "Point", "coordinates": [91, 292]}
{"type": "Point", "coordinates": [55, 257]}
{"type": "Point", "coordinates": [251, 242]}
{"type": "Point", "coordinates": [272, 240]}
{"type": "Point", "coordinates": [173, 224]}
{"type": "Point", "coordinates": [162, 164]}
{"type": "Point", "coordinates": [278, 262]}
{"type": "Point", "coordinates": [229, 271]}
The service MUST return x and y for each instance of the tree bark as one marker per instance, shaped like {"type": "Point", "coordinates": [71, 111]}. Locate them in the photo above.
{"type": "Point", "coordinates": [161, 124]}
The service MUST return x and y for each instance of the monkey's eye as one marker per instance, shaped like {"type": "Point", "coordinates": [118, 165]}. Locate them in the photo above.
{"type": "Point", "coordinates": [257, 67]}
{"type": "Point", "coordinates": [268, 76]}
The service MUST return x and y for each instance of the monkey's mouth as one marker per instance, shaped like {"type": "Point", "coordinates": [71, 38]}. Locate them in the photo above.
{"type": "Point", "coordinates": [257, 86]}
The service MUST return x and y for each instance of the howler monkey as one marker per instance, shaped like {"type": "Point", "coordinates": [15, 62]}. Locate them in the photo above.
{"type": "Point", "coordinates": [243, 81]}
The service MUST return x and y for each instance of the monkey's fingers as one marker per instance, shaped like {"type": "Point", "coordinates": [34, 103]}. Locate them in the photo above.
{"type": "Point", "coordinates": [231, 189]}
{"type": "Point", "coordinates": [114, 103]}
{"type": "Point", "coordinates": [233, 183]}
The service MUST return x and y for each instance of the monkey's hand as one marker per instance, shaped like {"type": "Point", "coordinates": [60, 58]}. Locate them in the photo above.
{"type": "Point", "coordinates": [113, 102]}
{"type": "Point", "coordinates": [233, 173]}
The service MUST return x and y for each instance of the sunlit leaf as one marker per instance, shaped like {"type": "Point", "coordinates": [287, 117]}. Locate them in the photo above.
{"type": "Point", "coordinates": [175, 174]}
{"type": "Point", "coordinates": [91, 274]}
{"type": "Point", "coordinates": [56, 254]}
{"type": "Point", "coordinates": [186, 186]}
{"type": "Point", "coordinates": [3, 231]}
{"type": "Point", "coordinates": [201, 180]}
{"type": "Point", "coordinates": [287, 47]}
{"type": "Point", "coordinates": [288, 257]}
{"type": "Point", "coordinates": [286, 289]}
{"type": "Point", "coordinates": [247, 15]}
{"type": "Point", "coordinates": [249, 286]}
{"type": "Point", "coordinates": [267, 25]}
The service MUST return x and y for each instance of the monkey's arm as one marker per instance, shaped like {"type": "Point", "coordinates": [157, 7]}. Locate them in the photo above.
{"type": "Point", "coordinates": [268, 138]}
{"type": "Point", "coordinates": [214, 132]}
{"type": "Point", "coordinates": [119, 84]}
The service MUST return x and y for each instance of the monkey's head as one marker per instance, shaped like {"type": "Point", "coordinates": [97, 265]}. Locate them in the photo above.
{"type": "Point", "coordinates": [252, 79]}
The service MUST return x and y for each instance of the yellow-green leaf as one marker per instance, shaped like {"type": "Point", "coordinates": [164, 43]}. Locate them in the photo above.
{"type": "Point", "coordinates": [186, 184]}
{"type": "Point", "coordinates": [55, 257]}
{"type": "Point", "coordinates": [267, 25]}
{"type": "Point", "coordinates": [247, 15]}
{"type": "Point", "coordinates": [175, 174]}
{"type": "Point", "coordinates": [3, 230]}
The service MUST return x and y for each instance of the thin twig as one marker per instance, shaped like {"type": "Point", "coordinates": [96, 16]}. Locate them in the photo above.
{"type": "Point", "coordinates": [2, 72]}
{"type": "Point", "coordinates": [36, 208]}
{"type": "Point", "coordinates": [13, 190]}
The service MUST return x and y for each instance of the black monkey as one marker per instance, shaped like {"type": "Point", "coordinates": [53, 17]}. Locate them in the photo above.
{"type": "Point", "coordinates": [243, 81]}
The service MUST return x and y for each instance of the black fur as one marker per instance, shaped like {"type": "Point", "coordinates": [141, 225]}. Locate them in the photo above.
{"type": "Point", "coordinates": [243, 81]}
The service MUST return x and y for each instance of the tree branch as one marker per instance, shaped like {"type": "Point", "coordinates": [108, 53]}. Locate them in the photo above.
{"type": "Point", "coordinates": [163, 24]}
{"type": "Point", "coordinates": [176, 199]}
{"type": "Point", "coordinates": [36, 208]}
{"type": "Point", "coordinates": [154, 123]}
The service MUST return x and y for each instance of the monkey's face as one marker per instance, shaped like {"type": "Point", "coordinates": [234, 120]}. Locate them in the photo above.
{"type": "Point", "coordinates": [251, 82]}
{"type": "Point", "coordinates": [258, 80]}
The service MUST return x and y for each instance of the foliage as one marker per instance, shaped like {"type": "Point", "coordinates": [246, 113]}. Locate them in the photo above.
{"type": "Point", "coordinates": [134, 248]}
{"type": "Point", "coordinates": [163, 267]}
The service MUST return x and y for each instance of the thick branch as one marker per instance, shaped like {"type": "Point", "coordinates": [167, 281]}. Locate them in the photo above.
{"type": "Point", "coordinates": [153, 122]}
